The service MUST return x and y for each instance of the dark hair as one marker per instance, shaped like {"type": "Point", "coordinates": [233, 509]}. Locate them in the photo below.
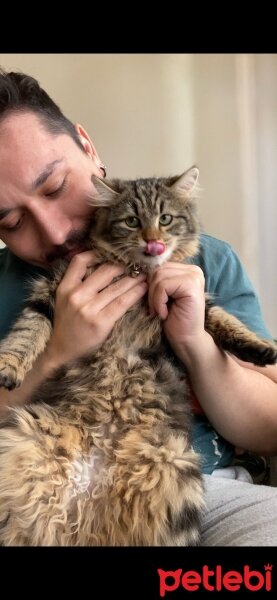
{"type": "Point", "coordinates": [22, 93]}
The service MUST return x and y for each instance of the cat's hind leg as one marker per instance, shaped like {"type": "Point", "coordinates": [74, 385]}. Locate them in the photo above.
{"type": "Point", "coordinates": [234, 337]}
{"type": "Point", "coordinates": [37, 482]}
{"type": "Point", "coordinates": [157, 494]}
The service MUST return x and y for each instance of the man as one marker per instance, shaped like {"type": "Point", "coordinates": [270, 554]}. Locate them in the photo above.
{"type": "Point", "coordinates": [46, 166]}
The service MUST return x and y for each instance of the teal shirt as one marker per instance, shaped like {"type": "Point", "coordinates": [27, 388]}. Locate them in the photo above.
{"type": "Point", "coordinates": [15, 279]}
{"type": "Point", "coordinates": [225, 279]}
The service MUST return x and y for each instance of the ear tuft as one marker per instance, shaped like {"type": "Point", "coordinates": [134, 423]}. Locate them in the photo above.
{"type": "Point", "coordinates": [105, 194]}
{"type": "Point", "coordinates": [186, 183]}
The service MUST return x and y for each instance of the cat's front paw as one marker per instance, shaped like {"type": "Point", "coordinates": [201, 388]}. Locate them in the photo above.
{"type": "Point", "coordinates": [11, 372]}
{"type": "Point", "coordinates": [260, 353]}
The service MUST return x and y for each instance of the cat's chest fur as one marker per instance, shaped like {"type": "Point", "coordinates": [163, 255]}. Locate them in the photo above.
{"type": "Point", "coordinates": [135, 331]}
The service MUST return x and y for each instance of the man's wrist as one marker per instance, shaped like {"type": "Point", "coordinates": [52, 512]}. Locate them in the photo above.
{"type": "Point", "coordinates": [50, 361]}
{"type": "Point", "coordinates": [197, 350]}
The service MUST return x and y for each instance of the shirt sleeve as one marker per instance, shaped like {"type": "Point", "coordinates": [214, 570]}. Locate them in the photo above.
{"type": "Point", "coordinates": [235, 293]}
{"type": "Point", "coordinates": [230, 288]}
{"type": "Point", "coordinates": [15, 279]}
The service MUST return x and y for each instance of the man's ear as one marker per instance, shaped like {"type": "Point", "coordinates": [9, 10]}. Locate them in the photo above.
{"type": "Point", "coordinates": [87, 144]}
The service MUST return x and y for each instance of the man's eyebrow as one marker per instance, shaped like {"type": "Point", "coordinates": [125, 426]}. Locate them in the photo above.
{"type": "Point", "coordinates": [45, 173]}
{"type": "Point", "coordinates": [4, 212]}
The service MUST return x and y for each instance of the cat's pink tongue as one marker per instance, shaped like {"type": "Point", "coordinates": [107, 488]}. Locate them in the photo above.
{"type": "Point", "coordinates": [155, 248]}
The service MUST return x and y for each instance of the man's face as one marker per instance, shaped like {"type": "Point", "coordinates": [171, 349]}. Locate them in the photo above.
{"type": "Point", "coordinates": [45, 185]}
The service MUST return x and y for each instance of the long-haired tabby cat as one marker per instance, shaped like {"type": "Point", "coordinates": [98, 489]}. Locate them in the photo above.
{"type": "Point", "coordinates": [102, 455]}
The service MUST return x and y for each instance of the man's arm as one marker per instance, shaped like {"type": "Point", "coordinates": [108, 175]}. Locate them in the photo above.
{"type": "Point", "coordinates": [240, 401]}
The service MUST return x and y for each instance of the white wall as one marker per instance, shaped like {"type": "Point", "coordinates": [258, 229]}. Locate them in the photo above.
{"type": "Point", "coordinates": [266, 115]}
{"type": "Point", "coordinates": [235, 137]}
{"type": "Point", "coordinates": [136, 107]}
{"type": "Point", "coordinates": [152, 114]}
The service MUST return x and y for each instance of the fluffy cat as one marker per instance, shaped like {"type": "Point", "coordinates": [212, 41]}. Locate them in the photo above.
{"type": "Point", "coordinates": [102, 455]}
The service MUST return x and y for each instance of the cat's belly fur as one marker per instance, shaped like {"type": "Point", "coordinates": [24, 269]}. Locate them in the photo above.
{"type": "Point", "coordinates": [97, 448]}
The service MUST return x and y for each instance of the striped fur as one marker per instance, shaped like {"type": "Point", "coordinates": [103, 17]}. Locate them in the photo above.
{"type": "Point", "coordinates": [102, 455]}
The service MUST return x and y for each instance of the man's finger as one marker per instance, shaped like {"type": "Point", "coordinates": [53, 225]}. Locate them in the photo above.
{"type": "Point", "coordinates": [77, 269]}
{"type": "Point", "coordinates": [108, 295]}
{"type": "Point", "coordinates": [119, 306]}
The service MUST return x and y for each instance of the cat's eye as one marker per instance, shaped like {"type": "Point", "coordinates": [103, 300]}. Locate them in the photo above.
{"type": "Point", "coordinates": [165, 219]}
{"type": "Point", "coordinates": [132, 222]}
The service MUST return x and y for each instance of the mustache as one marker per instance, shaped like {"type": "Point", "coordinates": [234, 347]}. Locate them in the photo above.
{"type": "Point", "coordinates": [74, 239]}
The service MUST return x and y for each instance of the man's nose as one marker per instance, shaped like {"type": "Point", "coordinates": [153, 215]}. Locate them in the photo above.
{"type": "Point", "coordinates": [52, 225]}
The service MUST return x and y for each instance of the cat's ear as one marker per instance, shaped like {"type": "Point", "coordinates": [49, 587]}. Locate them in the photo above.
{"type": "Point", "coordinates": [105, 192]}
{"type": "Point", "coordinates": [186, 182]}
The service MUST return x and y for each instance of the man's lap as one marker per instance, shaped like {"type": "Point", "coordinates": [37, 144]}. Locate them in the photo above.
{"type": "Point", "coordinates": [239, 513]}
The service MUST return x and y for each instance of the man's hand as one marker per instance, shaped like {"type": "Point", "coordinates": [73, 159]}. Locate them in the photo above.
{"type": "Point", "coordinates": [176, 293]}
{"type": "Point", "coordinates": [85, 313]}
{"type": "Point", "coordinates": [86, 309]}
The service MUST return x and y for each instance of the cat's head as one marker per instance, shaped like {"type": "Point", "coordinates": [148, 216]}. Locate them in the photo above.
{"type": "Point", "coordinates": [146, 222]}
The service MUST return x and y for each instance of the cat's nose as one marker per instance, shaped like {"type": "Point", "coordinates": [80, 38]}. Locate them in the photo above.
{"type": "Point", "coordinates": [155, 248]}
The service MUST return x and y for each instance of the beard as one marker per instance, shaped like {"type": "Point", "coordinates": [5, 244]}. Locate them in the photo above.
{"type": "Point", "coordinates": [75, 240]}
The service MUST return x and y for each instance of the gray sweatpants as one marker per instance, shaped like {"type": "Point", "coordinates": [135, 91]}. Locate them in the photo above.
{"type": "Point", "coordinates": [239, 513]}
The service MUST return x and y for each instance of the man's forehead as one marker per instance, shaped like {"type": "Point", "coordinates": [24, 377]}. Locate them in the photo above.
{"type": "Point", "coordinates": [15, 120]}
{"type": "Point", "coordinates": [23, 142]}
{"type": "Point", "coordinates": [27, 135]}
{"type": "Point", "coordinates": [26, 156]}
